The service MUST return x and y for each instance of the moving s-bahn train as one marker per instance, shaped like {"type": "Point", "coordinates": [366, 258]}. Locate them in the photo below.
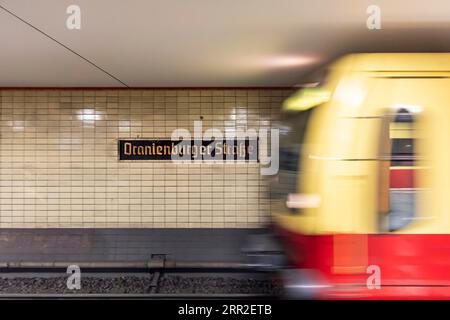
{"type": "Point", "coordinates": [362, 200]}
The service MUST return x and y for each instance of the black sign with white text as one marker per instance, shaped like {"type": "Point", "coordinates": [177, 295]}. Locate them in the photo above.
{"type": "Point", "coordinates": [166, 149]}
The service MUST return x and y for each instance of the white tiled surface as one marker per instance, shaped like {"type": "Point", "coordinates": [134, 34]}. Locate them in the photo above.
{"type": "Point", "coordinates": [59, 164]}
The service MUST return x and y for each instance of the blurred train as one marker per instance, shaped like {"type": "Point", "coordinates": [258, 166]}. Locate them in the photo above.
{"type": "Point", "coordinates": [362, 200]}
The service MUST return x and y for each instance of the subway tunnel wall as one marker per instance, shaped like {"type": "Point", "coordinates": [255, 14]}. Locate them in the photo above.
{"type": "Point", "coordinates": [60, 169]}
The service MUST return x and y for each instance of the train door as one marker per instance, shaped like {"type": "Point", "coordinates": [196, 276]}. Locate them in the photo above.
{"type": "Point", "coordinates": [398, 167]}
{"type": "Point", "coordinates": [412, 248]}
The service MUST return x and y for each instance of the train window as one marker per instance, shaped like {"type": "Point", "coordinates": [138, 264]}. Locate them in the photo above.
{"type": "Point", "coordinates": [397, 192]}
{"type": "Point", "coordinates": [292, 133]}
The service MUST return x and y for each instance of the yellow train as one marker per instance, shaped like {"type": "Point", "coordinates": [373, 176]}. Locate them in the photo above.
{"type": "Point", "coordinates": [362, 198]}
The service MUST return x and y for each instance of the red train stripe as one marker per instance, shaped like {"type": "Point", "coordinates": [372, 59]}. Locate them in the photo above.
{"type": "Point", "coordinates": [402, 178]}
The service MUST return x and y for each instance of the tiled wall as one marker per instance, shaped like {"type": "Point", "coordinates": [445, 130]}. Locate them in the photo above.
{"type": "Point", "coordinates": [59, 164]}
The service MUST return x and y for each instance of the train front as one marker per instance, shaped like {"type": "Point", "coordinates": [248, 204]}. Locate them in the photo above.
{"type": "Point", "coordinates": [293, 202]}
{"type": "Point", "coordinates": [318, 197]}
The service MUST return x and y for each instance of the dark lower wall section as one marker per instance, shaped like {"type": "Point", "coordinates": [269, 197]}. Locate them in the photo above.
{"type": "Point", "coordinates": [122, 244]}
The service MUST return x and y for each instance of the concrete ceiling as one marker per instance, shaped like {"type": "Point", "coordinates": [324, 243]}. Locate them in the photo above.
{"type": "Point", "coordinates": [202, 43]}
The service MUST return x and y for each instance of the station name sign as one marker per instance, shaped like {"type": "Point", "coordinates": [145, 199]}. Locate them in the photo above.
{"type": "Point", "coordinates": [166, 149]}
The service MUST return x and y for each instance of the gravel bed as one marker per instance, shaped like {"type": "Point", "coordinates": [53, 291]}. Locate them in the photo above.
{"type": "Point", "coordinates": [168, 284]}
{"type": "Point", "coordinates": [210, 285]}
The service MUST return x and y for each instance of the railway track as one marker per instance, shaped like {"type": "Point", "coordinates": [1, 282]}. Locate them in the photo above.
{"type": "Point", "coordinates": [75, 296]}
{"type": "Point", "coordinates": [137, 280]}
